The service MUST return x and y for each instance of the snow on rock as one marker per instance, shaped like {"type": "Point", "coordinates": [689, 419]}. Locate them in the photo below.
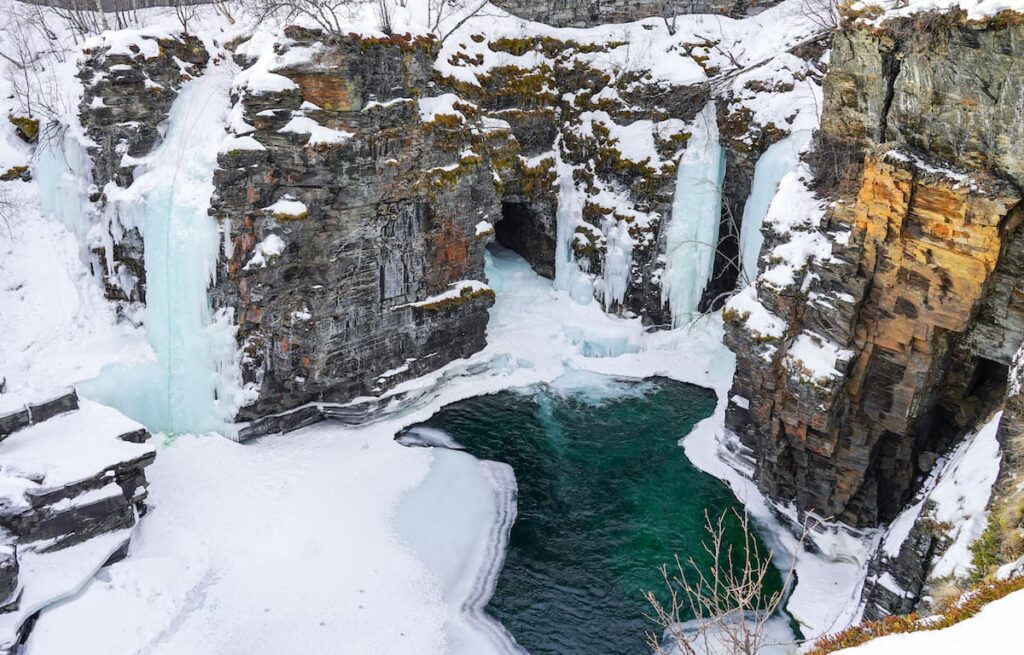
{"type": "Point", "coordinates": [233, 143]}
{"type": "Point", "coordinates": [318, 134]}
{"type": "Point", "coordinates": [442, 105]}
{"type": "Point", "coordinates": [484, 228]}
{"type": "Point", "coordinates": [975, 9]}
{"type": "Point", "coordinates": [457, 291]}
{"type": "Point", "coordinates": [816, 357]}
{"type": "Point", "coordinates": [962, 493]}
{"type": "Point", "coordinates": [70, 448]}
{"type": "Point", "coordinates": [956, 493]}
{"type": "Point", "coordinates": [757, 318]}
{"type": "Point", "coordinates": [271, 246]}
{"type": "Point", "coordinates": [288, 207]}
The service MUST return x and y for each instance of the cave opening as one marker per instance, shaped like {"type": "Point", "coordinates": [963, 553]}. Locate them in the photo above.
{"type": "Point", "coordinates": [956, 414]}
{"type": "Point", "coordinates": [528, 229]}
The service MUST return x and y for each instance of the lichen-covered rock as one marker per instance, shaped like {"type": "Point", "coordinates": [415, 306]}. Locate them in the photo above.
{"type": "Point", "coordinates": [354, 194]}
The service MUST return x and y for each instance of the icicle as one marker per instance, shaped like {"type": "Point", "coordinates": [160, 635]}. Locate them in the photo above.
{"type": "Point", "coordinates": [691, 238]}
{"type": "Point", "coordinates": [618, 260]}
{"type": "Point", "coordinates": [779, 159]}
{"type": "Point", "coordinates": [569, 277]}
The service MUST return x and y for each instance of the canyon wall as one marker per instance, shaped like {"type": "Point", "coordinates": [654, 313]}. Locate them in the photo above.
{"type": "Point", "coordinates": [357, 218]}
{"type": "Point", "coordinates": [364, 177]}
{"type": "Point", "coordinates": [888, 305]}
{"type": "Point", "coordinates": [587, 13]}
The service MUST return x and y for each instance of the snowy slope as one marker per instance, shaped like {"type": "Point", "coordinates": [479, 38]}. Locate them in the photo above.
{"type": "Point", "coordinates": [994, 631]}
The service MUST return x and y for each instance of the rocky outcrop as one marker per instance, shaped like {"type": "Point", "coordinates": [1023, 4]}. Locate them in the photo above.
{"type": "Point", "coordinates": [588, 13]}
{"type": "Point", "coordinates": [129, 86]}
{"type": "Point", "coordinates": [892, 329]}
{"type": "Point", "coordinates": [358, 217]}
{"type": "Point", "coordinates": [72, 473]}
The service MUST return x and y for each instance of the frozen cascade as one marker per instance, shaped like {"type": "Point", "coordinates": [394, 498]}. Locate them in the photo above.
{"type": "Point", "coordinates": [691, 238]}
{"type": "Point", "coordinates": [780, 158]}
{"type": "Point", "coordinates": [569, 277]}
{"type": "Point", "coordinates": [63, 171]}
{"type": "Point", "coordinates": [618, 260]}
{"type": "Point", "coordinates": [192, 386]}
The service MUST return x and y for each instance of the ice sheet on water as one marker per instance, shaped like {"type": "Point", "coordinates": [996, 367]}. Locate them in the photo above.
{"type": "Point", "coordinates": [457, 522]}
{"type": "Point", "coordinates": [427, 437]}
{"type": "Point", "coordinates": [716, 637]}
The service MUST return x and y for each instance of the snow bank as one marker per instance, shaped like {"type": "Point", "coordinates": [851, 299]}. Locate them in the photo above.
{"type": "Point", "coordinates": [993, 631]}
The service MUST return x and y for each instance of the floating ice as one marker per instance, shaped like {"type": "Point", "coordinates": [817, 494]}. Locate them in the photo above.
{"type": "Point", "coordinates": [691, 238]}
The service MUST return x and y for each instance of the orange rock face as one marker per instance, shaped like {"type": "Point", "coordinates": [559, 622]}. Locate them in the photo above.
{"type": "Point", "coordinates": [923, 247]}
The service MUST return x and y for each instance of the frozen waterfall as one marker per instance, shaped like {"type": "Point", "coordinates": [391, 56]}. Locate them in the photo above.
{"type": "Point", "coordinates": [191, 386]}
{"type": "Point", "coordinates": [780, 158]}
{"type": "Point", "coordinates": [691, 238]}
{"type": "Point", "coordinates": [569, 277]}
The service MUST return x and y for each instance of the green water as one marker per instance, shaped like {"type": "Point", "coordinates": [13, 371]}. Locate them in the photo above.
{"type": "Point", "coordinates": [606, 496]}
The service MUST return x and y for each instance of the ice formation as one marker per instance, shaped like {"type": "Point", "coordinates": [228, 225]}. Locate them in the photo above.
{"type": "Point", "coordinates": [457, 522]}
{"type": "Point", "coordinates": [779, 159]}
{"type": "Point", "coordinates": [691, 238]}
{"type": "Point", "coordinates": [182, 390]}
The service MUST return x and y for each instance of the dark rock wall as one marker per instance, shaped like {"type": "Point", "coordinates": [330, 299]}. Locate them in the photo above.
{"type": "Point", "coordinates": [353, 305]}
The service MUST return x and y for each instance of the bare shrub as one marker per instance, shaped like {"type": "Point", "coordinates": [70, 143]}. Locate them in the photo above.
{"type": "Point", "coordinates": [441, 12]}
{"type": "Point", "coordinates": [728, 602]}
{"type": "Point", "coordinates": [837, 164]}
{"type": "Point", "coordinates": [823, 14]}
{"type": "Point", "coordinates": [332, 16]}
{"type": "Point", "coordinates": [30, 49]}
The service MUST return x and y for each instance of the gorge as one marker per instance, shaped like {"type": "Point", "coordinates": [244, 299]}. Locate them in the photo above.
{"type": "Point", "coordinates": [248, 251]}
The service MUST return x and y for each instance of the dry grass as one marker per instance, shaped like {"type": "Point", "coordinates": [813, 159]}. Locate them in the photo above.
{"type": "Point", "coordinates": [960, 609]}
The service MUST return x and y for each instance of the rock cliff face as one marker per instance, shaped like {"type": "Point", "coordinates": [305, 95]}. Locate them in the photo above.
{"type": "Point", "coordinates": [128, 90]}
{"type": "Point", "coordinates": [587, 13]}
{"type": "Point", "coordinates": [891, 333]}
{"type": "Point", "coordinates": [365, 178]}
{"type": "Point", "coordinates": [357, 215]}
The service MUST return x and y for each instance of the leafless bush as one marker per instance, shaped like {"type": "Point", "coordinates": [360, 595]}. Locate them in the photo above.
{"type": "Point", "coordinates": [185, 11]}
{"type": "Point", "coordinates": [836, 163]}
{"type": "Point", "coordinates": [440, 13]}
{"type": "Point", "coordinates": [329, 15]}
{"type": "Point", "coordinates": [30, 48]}
{"type": "Point", "coordinates": [10, 204]}
{"type": "Point", "coordinates": [823, 14]}
{"type": "Point", "coordinates": [383, 9]}
{"type": "Point", "coordinates": [730, 606]}
{"type": "Point", "coordinates": [671, 9]}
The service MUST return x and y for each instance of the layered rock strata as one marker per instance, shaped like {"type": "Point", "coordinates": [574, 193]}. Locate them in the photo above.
{"type": "Point", "coordinates": [358, 200]}
{"type": "Point", "coordinates": [587, 13]}
{"type": "Point", "coordinates": [890, 332]}
{"type": "Point", "coordinates": [72, 473]}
